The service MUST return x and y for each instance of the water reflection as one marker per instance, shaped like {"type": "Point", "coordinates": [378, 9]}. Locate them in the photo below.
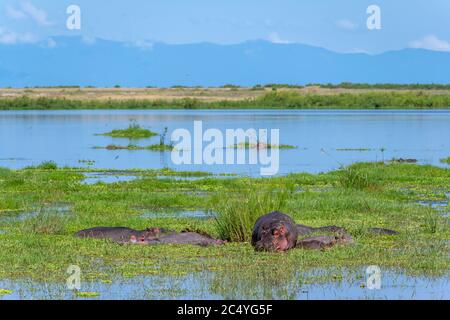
{"type": "Point", "coordinates": [242, 285]}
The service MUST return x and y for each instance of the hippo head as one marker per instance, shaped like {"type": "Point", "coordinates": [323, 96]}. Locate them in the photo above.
{"type": "Point", "coordinates": [136, 240]}
{"type": "Point", "coordinates": [274, 237]}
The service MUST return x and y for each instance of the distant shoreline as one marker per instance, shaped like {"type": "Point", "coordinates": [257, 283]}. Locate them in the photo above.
{"type": "Point", "coordinates": [430, 97]}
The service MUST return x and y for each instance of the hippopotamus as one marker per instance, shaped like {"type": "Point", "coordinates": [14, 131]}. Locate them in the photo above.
{"type": "Point", "coordinates": [322, 242]}
{"type": "Point", "coordinates": [275, 231]}
{"type": "Point", "coordinates": [186, 237]}
{"type": "Point", "coordinates": [302, 229]}
{"type": "Point", "coordinates": [120, 234]}
{"type": "Point", "coordinates": [150, 236]}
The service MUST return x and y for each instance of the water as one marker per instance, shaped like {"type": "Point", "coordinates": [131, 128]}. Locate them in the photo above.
{"type": "Point", "coordinates": [197, 214]}
{"type": "Point", "coordinates": [30, 137]}
{"type": "Point", "coordinates": [207, 285]}
{"type": "Point", "coordinates": [96, 177]}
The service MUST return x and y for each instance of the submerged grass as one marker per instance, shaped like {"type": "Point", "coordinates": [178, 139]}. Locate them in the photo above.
{"type": "Point", "coordinates": [358, 197]}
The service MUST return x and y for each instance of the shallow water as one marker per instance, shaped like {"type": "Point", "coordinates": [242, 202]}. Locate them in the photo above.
{"type": "Point", "coordinates": [30, 137]}
{"type": "Point", "coordinates": [96, 177]}
{"type": "Point", "coordinates": [207, 285]}
{"type": "Point", "coordinates": [197, 214]}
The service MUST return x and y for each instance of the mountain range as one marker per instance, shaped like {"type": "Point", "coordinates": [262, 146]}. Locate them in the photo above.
{"type": "Point", "coordinates": [103, 63]}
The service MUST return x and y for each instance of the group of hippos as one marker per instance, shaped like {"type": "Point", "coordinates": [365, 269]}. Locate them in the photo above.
{"type": "Point", "coordinates": [275, 231]}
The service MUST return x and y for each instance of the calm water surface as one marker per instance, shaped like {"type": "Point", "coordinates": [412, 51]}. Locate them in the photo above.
{"type": "Point", "coordinates": [66, 137]}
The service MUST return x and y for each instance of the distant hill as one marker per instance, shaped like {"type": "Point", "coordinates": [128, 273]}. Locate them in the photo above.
{"type": "Point", "coordinates": [73, 61]}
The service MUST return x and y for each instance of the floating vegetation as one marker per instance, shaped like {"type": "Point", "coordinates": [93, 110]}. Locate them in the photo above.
{"type": "Point", "coordinates": [446, 160]}
{"type": "Point", "coordinates": [260, 145]}
{"type": "Point", "coordinates": [134, 131]}
{"type": "Point", "coordinates": [402, 160]}
{"type": "Point", "coordinates": [353, 149]}
{"type": "Point", "coordinates": [133, 147]}
{"type": "Point", "coordinates": [87, 162]}
{"type": "Point", "coordinates": [4, 292]}
{"type": "Point", "coordinates": [82, 294]}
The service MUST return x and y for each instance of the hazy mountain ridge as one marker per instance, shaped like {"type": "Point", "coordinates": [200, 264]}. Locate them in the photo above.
{"type": "Point", "coordinates": [73, 61]}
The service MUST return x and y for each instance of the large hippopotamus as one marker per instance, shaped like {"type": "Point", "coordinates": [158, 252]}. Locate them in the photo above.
{"type": "Point", "coordinates": [275, 231]}
{"type": "Point", "coordinates": [150, 236]}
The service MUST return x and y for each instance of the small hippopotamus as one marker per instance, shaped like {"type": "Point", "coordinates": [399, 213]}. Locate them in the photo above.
{"type": "Point", "coordinates": [190, 238]}
{"type": "Point", "coordinates": [322, 242]}
{"type": "Point", "coordinates": [275, 231]}
{"type": "Point", "coordinates": [121, 234]}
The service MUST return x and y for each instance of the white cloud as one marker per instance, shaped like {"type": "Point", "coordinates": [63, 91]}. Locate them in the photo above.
{"type": "Point", "coordinates": [38, 15]}
{"type": "Point", "coordinates": [142, 44]}
{"type": "Point", "coordinates": [89, 40]}
{"type": "Point", "coordinates": [11, 37]}
{"type": "Point", "coordinates": [431, 42]}
{"type": "Point", "coordinates": [346, 24]}
{"type": "Point", "coordinates": [274, 37]}
{"type": "Point", "coordinates": [14, 13]}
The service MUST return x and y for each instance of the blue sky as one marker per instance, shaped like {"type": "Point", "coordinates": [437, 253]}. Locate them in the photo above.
{"type": "Point", "coordinates": [332, 24]}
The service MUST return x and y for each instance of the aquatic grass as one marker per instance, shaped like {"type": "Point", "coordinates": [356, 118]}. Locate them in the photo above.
{"type": "Point", "coordinates": [45, 253]}
{"type": "Point", "coordinates": [45, 222]}
{"type": "Point", "coordinates": [134, 131]}
{"type": "Point", "coordinates": [4, 292]}
{"type": "Point", "coordinates": [357, 179]}
{"type": "Point", "coordinates": [133, 147]}
{"type": "Point", "coordinates": [46, 165]}
{"type": "Point", "coordinates": [82, 294]}
{"type": "Point", "coordinates": [247, 145]}
{"type": "Point", "coordinates": [236, 215]}
{"type": "Point", "coordinates": [353, 149]}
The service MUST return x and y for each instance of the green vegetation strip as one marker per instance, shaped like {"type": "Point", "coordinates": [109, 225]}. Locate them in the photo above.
{"type": "Point", "coordinates": [272, 100]}
{"type": "Point", "coordinates": [42, 246]}
{"type": "Point", "coordinates": [134, 131]}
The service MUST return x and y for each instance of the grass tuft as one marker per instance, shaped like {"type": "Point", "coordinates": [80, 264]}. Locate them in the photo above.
{"type": "Point", "coordinates": [237, 215]}
{"type": "Point", "coordinates": [134, 131]}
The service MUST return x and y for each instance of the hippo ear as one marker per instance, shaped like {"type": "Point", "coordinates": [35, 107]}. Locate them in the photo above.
{"type": "Point", "coordinates": [282, 230]}
{"type": "Point", "coordinates": [142, 239]}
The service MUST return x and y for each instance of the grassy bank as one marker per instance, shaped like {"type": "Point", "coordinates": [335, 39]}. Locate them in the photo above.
{"type": "Point", "coordinates": [283, 99]}
{"type": "Point", "coordinates": [41, 208]}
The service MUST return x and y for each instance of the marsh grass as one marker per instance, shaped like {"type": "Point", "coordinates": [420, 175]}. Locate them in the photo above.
{"type": "Point", "coordinates": [237, 215]}
{"type": "Point", "coordinates": [134, 131]}
{"type": "Point", "coordinates": [45, 222]}
{"type": "Point", "coordinates": [352, 178]}
{"type": "Point", "coordinates": [446, 160]}
{"type": "Point", "coordinates": [133, 147]}
{"type": "Point", "coordinates": [46, 165]}
{"type": "Point", "coordinates": [45, 253]}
